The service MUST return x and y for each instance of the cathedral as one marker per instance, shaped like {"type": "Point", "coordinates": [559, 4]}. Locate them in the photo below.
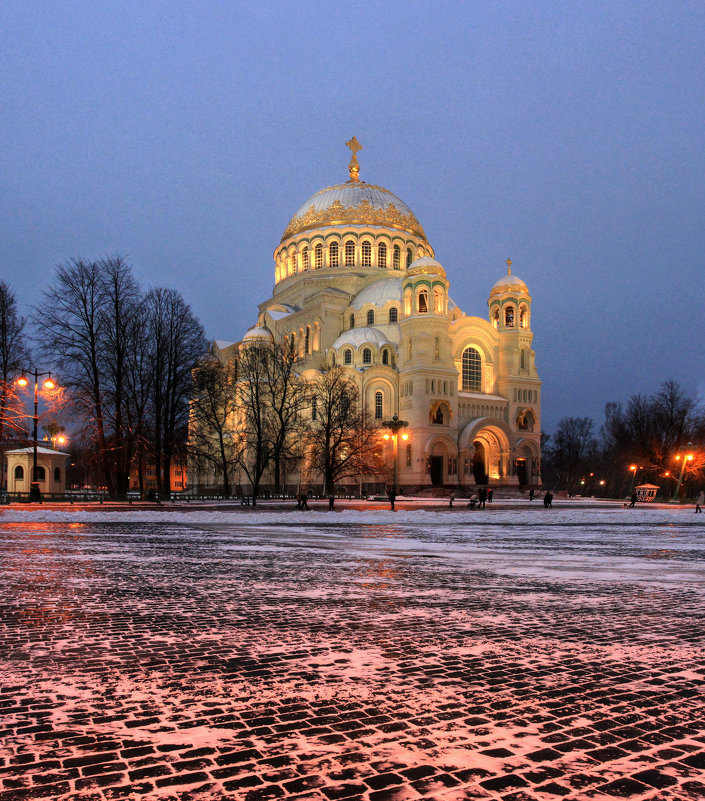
{"type": "Point", "coordinates": [357, 284]}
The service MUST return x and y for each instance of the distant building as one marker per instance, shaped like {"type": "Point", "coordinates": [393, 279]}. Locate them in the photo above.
{"type": "Point", "coordinates": [51, 469]}
{"type": "Point", "coordinates": [177, 474]}
{"type": "Point", "coordinates": [357, 284]}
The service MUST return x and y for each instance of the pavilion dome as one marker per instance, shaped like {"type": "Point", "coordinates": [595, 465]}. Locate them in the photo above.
{"type": "Point", "coordinates": [258, 334]}
{"type": "Point", "coordinates": [366, 335]}
{"type": "Point", "coordinates": [509, 283]}
{"type": "Point", "coordinates": [378, 293]}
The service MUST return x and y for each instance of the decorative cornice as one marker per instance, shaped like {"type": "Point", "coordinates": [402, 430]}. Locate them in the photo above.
{"type": "Point", "coordinates": [363, 213]}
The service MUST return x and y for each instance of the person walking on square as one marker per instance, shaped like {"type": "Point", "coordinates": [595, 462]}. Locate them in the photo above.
{"type": "Point", "coordinates": [392, 496]}
{"type": "Point", "coordinates": [633, 502]}
{"type": "Point", "coordinates": [451, 499]}
{"type": "Point", "coordinates": [531, 494]}
{"type": "Point", "coordinates": [489, 495]}
{"type": "Point", "coordinates": [482, 497]}
{"type": "Point", "coordinates": [331, 503]}
{"type": "Point", "coordinates": [699, 503]}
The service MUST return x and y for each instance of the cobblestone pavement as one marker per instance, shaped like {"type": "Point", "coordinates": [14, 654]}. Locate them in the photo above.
{"type": "Point", "coordinates": [369, 662]}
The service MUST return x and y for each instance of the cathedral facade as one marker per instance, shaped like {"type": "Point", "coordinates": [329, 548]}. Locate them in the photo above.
{"type": "Point", "coordinates": [357, 284]}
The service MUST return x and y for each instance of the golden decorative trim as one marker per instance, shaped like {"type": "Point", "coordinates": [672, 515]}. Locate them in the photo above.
{"type": "Point", "coordinates": [364, 213]}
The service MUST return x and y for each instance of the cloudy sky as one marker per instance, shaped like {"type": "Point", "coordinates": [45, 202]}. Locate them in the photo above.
{"type": "Point", "coordinates": [567, 136]}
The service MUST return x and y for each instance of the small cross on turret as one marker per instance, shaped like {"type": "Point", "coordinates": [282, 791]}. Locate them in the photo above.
{"type": "Point", "coordinates": [509, 266]}
{"type": "Point", "coordinates": [354, 167]}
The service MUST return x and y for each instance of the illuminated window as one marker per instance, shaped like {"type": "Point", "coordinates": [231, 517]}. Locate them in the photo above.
{"type": "Point", "coordinates": [333, 254]}
{"type": "Point", "coordinates": [396, 263]}
{"type": "Point", "coordinates": [472, 370]}
{"type": "Point", "coordinates": [509, 316]}
{"type": "Point", "coordinates": [318, 257]}
{"type": "Point", "coordinates": [522, 317]}
{"type": "Point", "coordinates": [348, 357]}
{"type": "Point", "coordinates": [19, 473]}
{"type": "Point", "coordinates": [409, 258]}
{"type": "Point", "coordinates": [370, 317]}
{"type": "Point", "coordinates": [382, 256]}
{"type": "Point", "coordinates": [437, 302]}
{"type": "Point", "coordinates": [423, 301]}
{"type": "Point", "coordinates": [349, 253]}
{"type": "Point", "coordinates": [378, 405]}
{"type": "Point", "coordinates": [304, 259]}
{"type": "Point", "coordinates": [393, 314]}
{"type": "Point", "coordinates": [367, 356]}
{"type": "Point", "coordinates": [495, 318]}
{"type": "Point", "coordinates": [366, 254]}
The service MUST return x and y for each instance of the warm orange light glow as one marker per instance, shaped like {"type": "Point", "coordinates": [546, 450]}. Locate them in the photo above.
{"type": "Point", "coordinates": [405, 436]}
{"type": "Point", "coordinates": [49, 384]}
{"type": "Point", "coordinates": [22, 381]}
{"type": "Point", "coordinates": [678, 458]}
{"type": "Point", "coordinates": [690, 457]}
{"type": "Point", "coordinates": [602, 483]}
{"type": "Point", "coordinates": [386, 436]}
{"type": "Point", "coordinates": [633, 467]}
{"type": "Point", "coordinates": [61, 440]}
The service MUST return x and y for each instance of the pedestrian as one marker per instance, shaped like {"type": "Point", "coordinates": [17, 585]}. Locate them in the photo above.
{"type": "Point", "coordinates": [631, 505]}
{"type": "Point", "coordinates": [699, 503]}
{"type": "Point", "coordinates": [482, 497]}
{"type": "Point", "coordinates": [392, 496]}
{"type": "Point", "coordinates": [303, 501]}
{"type": "Point", "coordinates": [489, 495]}
{"type": "Point", "coordinates": [331, 502]}
{"type": "Point", "coordinates": [550, 500]}
{"type": "Point", "coordinates": [451, 499]}
{"type": "Point", "coordinates": [531, 494]}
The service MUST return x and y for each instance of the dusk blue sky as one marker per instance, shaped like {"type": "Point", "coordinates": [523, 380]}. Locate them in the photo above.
{"type": "Point", "coordinates": [567, 136]}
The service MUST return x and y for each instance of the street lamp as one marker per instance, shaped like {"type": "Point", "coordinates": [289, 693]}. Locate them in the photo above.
{"type": "Point", "coordinates": [633, 468]}
{"type": "Point", "coordinates": [394, 425]}
{"type": "Point", "coordinates": [682, 458]}
{"type": "Point", "coordinates": [23, 382]}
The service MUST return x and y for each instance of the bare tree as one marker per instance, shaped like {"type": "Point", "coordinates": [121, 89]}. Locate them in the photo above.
{"type": "Point", "coordinates": [212, 410]}
{"type": "Point", "coordinates": [343, 441]}
{"type": "Point", "coordinates": [14, 356]}
{"type": "Point", "coordinates": [572, 447]}
{"type": "Point", "coordinates": [178, 342]}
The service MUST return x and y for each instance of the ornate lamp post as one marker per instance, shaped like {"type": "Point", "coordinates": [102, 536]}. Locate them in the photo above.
{"type": "Point", "coordinates": [394, 425]}
{"type": "Point", "coordinates": [23, 381]}
{"type": "Point", "coordinates": [682, 458]}
{"type": "Point", "coordinates": [633, 468]}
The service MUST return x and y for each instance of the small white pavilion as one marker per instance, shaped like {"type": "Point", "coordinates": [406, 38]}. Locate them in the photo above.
{"type": "Point", "coordinates": [51, 469]}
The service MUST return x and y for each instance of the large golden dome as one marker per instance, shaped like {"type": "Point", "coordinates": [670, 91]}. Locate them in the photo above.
{"type": "Point", "coordinates": [354, 203]}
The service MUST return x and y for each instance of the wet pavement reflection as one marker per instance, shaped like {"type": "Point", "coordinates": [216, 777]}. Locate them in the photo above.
{"type": "Point", "coordinates": [368, 662]}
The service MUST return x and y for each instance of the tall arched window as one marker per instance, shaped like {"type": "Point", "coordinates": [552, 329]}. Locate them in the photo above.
{"type": "Point", "coordinates": [19, 473]}
{"type": "Point", "coordinates": [437, 302]}
{"type": "Point", "coordinates": [367, 356]}
{"type": "Point", "coordinates": [472, 370]}
{"type": "Point", "coordinates": [292, 263]}
{"type": "Point", "coordinates": [495, 318]}
{"type": "Point", "coordinates": [307, 340]}
{"type": "Point", "coordinates": [393, 314]}
{"type": "Point", "coordinates": [318, 257]}
{"type": "Point", "coordinates": [409, 258]}
{"type": "Point", "coordinates": [385, 356]}
{"type": "Point", "coordinates": [314, 408]}
{"type": "Point", "coordinates": [349, 253]}
{"type": "Point", "coordinates": [57, 474]}
{"type": "Point", "coordinates": [522, 359]}
{"type": "Point", "coordinates": [304, 259]}
{"type": "Point", "coordinates": [370, 317]}
{"type": "Point", "coordinates": [366, 254]}
{"type": "Point", "coordinates": [378, 405]}
{"type": "Point", "coordinates": [352, 321]}
{"type": "Point", "coordinates": [333, 254]}
{"type": "Point", "coordinates": [293, 342]}
{"type": "Point", "coordinates": [523, 317]}
{"type": "Point", "coordinates": [41, 473]}
{"type": "Point", "coordinates": [382, 256]}
{"type": "Point", "coordinates": [423, 301]}
{"type": "Point", "coordinates": [396, 263]}
{"type": "Point", "coordinates": [437, 349]}
{"type": "Point", "coordinates": [347, 357]}
{"type": "Point", "coordinates": [509, 316]}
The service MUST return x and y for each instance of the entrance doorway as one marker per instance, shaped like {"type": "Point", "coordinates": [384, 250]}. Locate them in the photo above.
{"type": "Point", "coordinates": [478, 464]}
{"type": "Point", "coordinates": [435, 466]}
{"type": "Point", "coordinates": [522, 472]}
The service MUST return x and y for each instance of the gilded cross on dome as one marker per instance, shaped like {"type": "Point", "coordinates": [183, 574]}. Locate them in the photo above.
{"type": "Point", "coordinates": [509, 266]}
{"type": "Point", "coordinates": [354, 167]}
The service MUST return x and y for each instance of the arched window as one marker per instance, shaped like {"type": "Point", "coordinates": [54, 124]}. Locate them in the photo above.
{"type": "Point", "coordinates": [318, 257]}
{"type": "Point", "coordinates": [352, 321]}
{"type": "Point", "coordinates": [437, 349]}
{"type": "Point", "coordinates": [523, 316]}
{"type": "Point", "coordinates": [366, 254]}
{"type": "Point", "coordinates": [314, 407]}
{"type": "Point", "coordinates": [367, 356]}
{"type": "Point", "coordinates": [407, 302]}
{"type": "Point", "coordinates": [437, 302]}
{"type": "Point", "coordinates": [495, 318]}
{"type": "Point", "coordinates": [378, 405]}
{"type": "Point", "coordinates": [347, 357]}
{"type": "Point", "coordinates": [438, 416]}
{"type": "Point", "coordinates": [57, 474]}
{"type": "Point", "coordinates": [19, 473]}
{"type": "Point", "coordinates": [423, 301]}
{"type": "Point", "coordinates": [332, 358]}
{"type": "Point", "coordinates": [509, 316]}
{"type": "Point", "coordinates": [349, 253]}
{"type": "Point", "coordinates": [393, 314]}
{"type": "Point", "coordinates": [333, 254]}
{"type": "Point", "coordinates": [41, 473]}
{"type": "Point", "coordinates": [293, 342]}
{"type": "Point", "coordinates": [409, 258]}
{"type": "Point", "coordinates": [292, 263]}
{"type": "Point", "coordinates": [382, 256]}
{"type": "Point", "coordinates": [408, 454]}
{"type": "Point", "coordinates": [396, 258]}
{"type": "Point", "coordinates": [304, 259]}
{"type": "Point", "coordinates": [370, 317]}
{"type": "Point", "coordinates": [344, 403]}
{"type": "Point", "coordinates": [385, 356]}
{"type": "Point", "coordinates": [522, 359]}
{"type": "Point", "coordinates": [307, 340]}
{"type": "Point", "coordinates": [472, 370]}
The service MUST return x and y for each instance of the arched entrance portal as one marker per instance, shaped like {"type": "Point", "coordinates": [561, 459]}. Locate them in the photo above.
{"type": "Point", "coordinates": [479, 463]}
